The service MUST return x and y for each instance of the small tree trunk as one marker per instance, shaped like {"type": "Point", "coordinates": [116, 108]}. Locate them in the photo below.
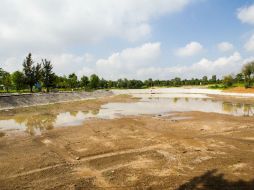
{"type": "Point", "coordinates": [47, 89]}
{"type": "Point", "coordinates": [31, 88]}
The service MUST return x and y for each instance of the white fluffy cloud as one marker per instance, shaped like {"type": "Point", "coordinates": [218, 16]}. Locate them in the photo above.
{"type": "Point", "coordinates": [225, 46]}
{"type": "Point", "coordinates": [70, 63]}
{"type": "Point", "coordinates": [142, 63]}
{"type": "Point", "coordinates": [249, 45]}
{"type": "Point", "coordinates": [51, 28]}
{"type": "Point", "coordinates": [123, 64]}
{"type": "Point", "coordinates": [246, 14]}
{"type": "Point", "coordinates": [48, 24]}
{"type": "Point", "coordinates": [220, 67]}
{"type": "Point", "coordinates": [128, 61]}
{"type": "Point", "coordinates": [190, 49]}
{"type": "Point", "coordinates": [11, 64]}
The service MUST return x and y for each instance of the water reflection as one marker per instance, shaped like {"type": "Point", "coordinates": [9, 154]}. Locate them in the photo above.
{"type": "Point", "coordinates": [248, 109]}
{"type": "Point", "coordinates": [165, 105]}
{"type": "Point", "coordinates": [95, 112]}
{"type": "Point", "coordinates": [238, 109]}
{"type": "Point", "coordinates": [227, 107]}
{"type": "Point", "coordinates": [176, 99]}
{"type": "Point", "coordinates": [35, 122]}
{"type": "Point", "coordinates": [74, 113]}
{"type": "Point", "coordinates": [1, 134]}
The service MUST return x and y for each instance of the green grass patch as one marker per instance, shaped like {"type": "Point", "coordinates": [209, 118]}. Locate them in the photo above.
{"type": "Point", "coordinates": [217, 86]}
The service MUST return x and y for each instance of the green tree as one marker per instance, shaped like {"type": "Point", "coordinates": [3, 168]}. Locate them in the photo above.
{"type": "Point", "coordinates": [94, 81]}
{"type": "Point", "coordinates": [120, 83]}
{"type": "Point", "coordinates": [1, 76]}
{"type": "Point", "coordinates": [247, 70]}
{"type": "Point", "coordinates": [18, 80]}
{"type": "Point", "coordinates": [103, 83]}
{"type": "Point", "coordinates": [135, 84]}
{"type": "Point", "coordinates": [6, 80]}
{"type": "Point", "coordinates": [126, 83]}
{"type": "Point", "coordinates": [37, 72]}
{"type": "Point", "coordinates": [84, 81]}
{"type": "Point", "coordinates": [228, 80]}
{"type": "Point", "coordinates": [214, 79]}
{"type": "Point", "coordinates": [37, 75]}
{"type": "Point", "coordinates": [61, 82]}
{"type": "Point", "coordinates": [176, 81]}
{"type": "Point", "coordinates": [47, 74]}
{"type": "Point", "coordinates": [110, 84]}
{"type": "Point", "coordinates": [29, 71]}
{"type": "Point", "coordinates": [239, 77]}
{"type": "Point", "coordinates": [204, 80]}
{"type": "Point", "coordinates": [73, 80]}
{"type": "Point", "coordinates": [149, 82]}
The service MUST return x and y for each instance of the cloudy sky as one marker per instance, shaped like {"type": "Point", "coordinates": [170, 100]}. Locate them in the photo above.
{"type": "Point", "coordinates": [137, 39]}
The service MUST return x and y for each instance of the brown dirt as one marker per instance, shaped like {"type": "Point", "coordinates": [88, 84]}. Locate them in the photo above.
{"type": "Point", "coordinates": [206, 151]}
{"type": "Point", "coordinates": [240, 90]}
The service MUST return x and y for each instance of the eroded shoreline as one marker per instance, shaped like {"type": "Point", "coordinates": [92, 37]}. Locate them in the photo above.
{"type": "Point", "coordinates": [40, 99]}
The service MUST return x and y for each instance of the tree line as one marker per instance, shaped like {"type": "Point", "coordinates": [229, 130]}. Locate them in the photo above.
{"type": "Point", "coordinates": [31, 76]}
{"type": "Point", "coordinates": [40, 77]}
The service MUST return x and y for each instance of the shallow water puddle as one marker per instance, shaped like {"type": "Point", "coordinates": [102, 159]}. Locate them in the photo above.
{"type": "Point", "coordinates": [165, 105]}
{"type": "Point", "coordinates": [149, 104]}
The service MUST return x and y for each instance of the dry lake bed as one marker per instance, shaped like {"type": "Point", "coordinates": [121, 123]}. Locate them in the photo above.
{"type": "Point", "coordinates": [172, 138]}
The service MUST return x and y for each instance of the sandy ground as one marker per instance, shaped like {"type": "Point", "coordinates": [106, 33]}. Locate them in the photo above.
{"type": "Point", "coordinates": [204, 151]}
{"type": "Point", "coordinates": [240, 90]}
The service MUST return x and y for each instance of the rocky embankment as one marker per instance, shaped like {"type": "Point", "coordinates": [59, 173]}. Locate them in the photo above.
{"type": "Point", "coordinates": [10, 101]}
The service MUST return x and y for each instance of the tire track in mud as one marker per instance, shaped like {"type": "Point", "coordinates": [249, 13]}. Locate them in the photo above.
{"type": "Point", "coordinates": [75, 163]}
{"type": "Point", "coordinates": [34, 171]}
{"type": "Point", "coordinates": [117, 153]}
{"type": "Point", "coordinates": [71, 158]}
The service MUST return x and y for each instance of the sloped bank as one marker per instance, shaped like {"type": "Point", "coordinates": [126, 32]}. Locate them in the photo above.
{"type": "Point", "coordinates": [10, 101]}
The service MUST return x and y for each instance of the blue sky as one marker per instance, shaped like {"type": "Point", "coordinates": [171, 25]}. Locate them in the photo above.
{"type": "Point", "coordinates": [119, 38]}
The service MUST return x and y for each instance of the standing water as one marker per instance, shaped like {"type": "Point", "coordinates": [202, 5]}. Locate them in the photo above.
{"type": "Point", "coordinates": [151, 102]}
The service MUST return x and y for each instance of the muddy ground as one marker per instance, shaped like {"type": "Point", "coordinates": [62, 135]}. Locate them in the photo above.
{"type": "Point", "coordinates": [204, 151]}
